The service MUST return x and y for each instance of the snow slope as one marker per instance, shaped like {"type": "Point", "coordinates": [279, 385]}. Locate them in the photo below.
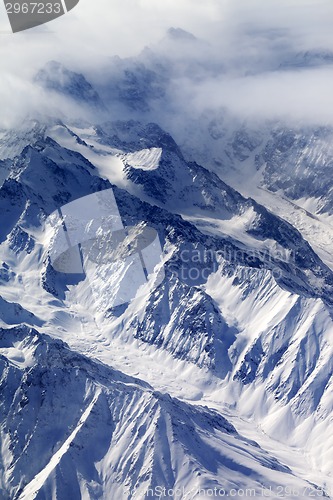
{"type": "Point", "coordinates": [112, 435]}
{"type": "Point", "coordinates": [233, 348]}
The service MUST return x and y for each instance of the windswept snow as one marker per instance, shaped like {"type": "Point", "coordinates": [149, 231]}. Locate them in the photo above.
{"type": "Point", "coordinates": [224, 378]}
{"type": "Point", "coordinates": [147, 159]}
{"type": "Point", "coordinates": [32, 489]}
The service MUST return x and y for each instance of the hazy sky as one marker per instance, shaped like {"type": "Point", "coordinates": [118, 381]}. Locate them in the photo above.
{"type": "Point", "coordinates": [251, 37]}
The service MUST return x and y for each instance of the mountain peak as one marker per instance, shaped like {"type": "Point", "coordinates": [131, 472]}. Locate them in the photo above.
{"type": "Point", "coordinates": [56, 77]}
{"type": "Point", "coordinates": [180, 34]}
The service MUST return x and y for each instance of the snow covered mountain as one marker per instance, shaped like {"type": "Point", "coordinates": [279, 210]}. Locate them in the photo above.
{"type": "Point", "coordinates": [111, 435]}
{"type": "Point", "coordinates": [56, 78]}
{"type": "Point", "coordinates": [221, 376]}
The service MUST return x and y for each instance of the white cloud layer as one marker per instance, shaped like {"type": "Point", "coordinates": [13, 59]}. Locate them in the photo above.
{"type": "Point", "coordinates": [249, 37]}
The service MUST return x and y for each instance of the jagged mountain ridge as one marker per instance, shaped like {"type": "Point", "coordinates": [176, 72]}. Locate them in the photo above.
{"type": "Point", "coordinates": [293, 159]}
{"type": "Point", "coordinates": [295, 162]}
{"type": "Point", "coordinates": [290, 159]}
{"type": "Point", "coordinates": [236, 322]}
{"type": "Point", "coordinates": [120, 435]}
{"type": "Point", "coordinates": [67, 168]}
{"type": "Point", "coordinates": [56, 78]}
{"type": "Point", "coordinates": [215, 336]}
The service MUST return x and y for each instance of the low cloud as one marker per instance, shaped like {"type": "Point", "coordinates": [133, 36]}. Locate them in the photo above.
{"type": "Point", "coordinates": [248, 59]}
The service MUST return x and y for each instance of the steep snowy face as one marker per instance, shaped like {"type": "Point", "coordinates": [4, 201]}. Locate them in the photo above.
{"type": "Point", "coordinates": [285, 168]}
{"type": "Point", "coordinates": [300, 164]}
{"type": "Point", "coordinates": [171, 181]}
{"type": "Point", "coordinates": [261, 241]}
{"type": "Point", "coordinates": [290, 161]}
{"type": "Point", "coordinates": [239, 227]}
{"type": "Point", "coordinates": [281, 157]}
{"type": "Point", "coordinates": [199, 196]}
{"type": "Point", "coordinates": [245, 301]}
{"type": "Point", "coordinates": [12, 142]}
{"type": "Point", "coordinates": [240, 326]}
{"type": "Point", "coordinates": [294, 161]}
{"type": "Point", "coordinates": [72, 427]}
